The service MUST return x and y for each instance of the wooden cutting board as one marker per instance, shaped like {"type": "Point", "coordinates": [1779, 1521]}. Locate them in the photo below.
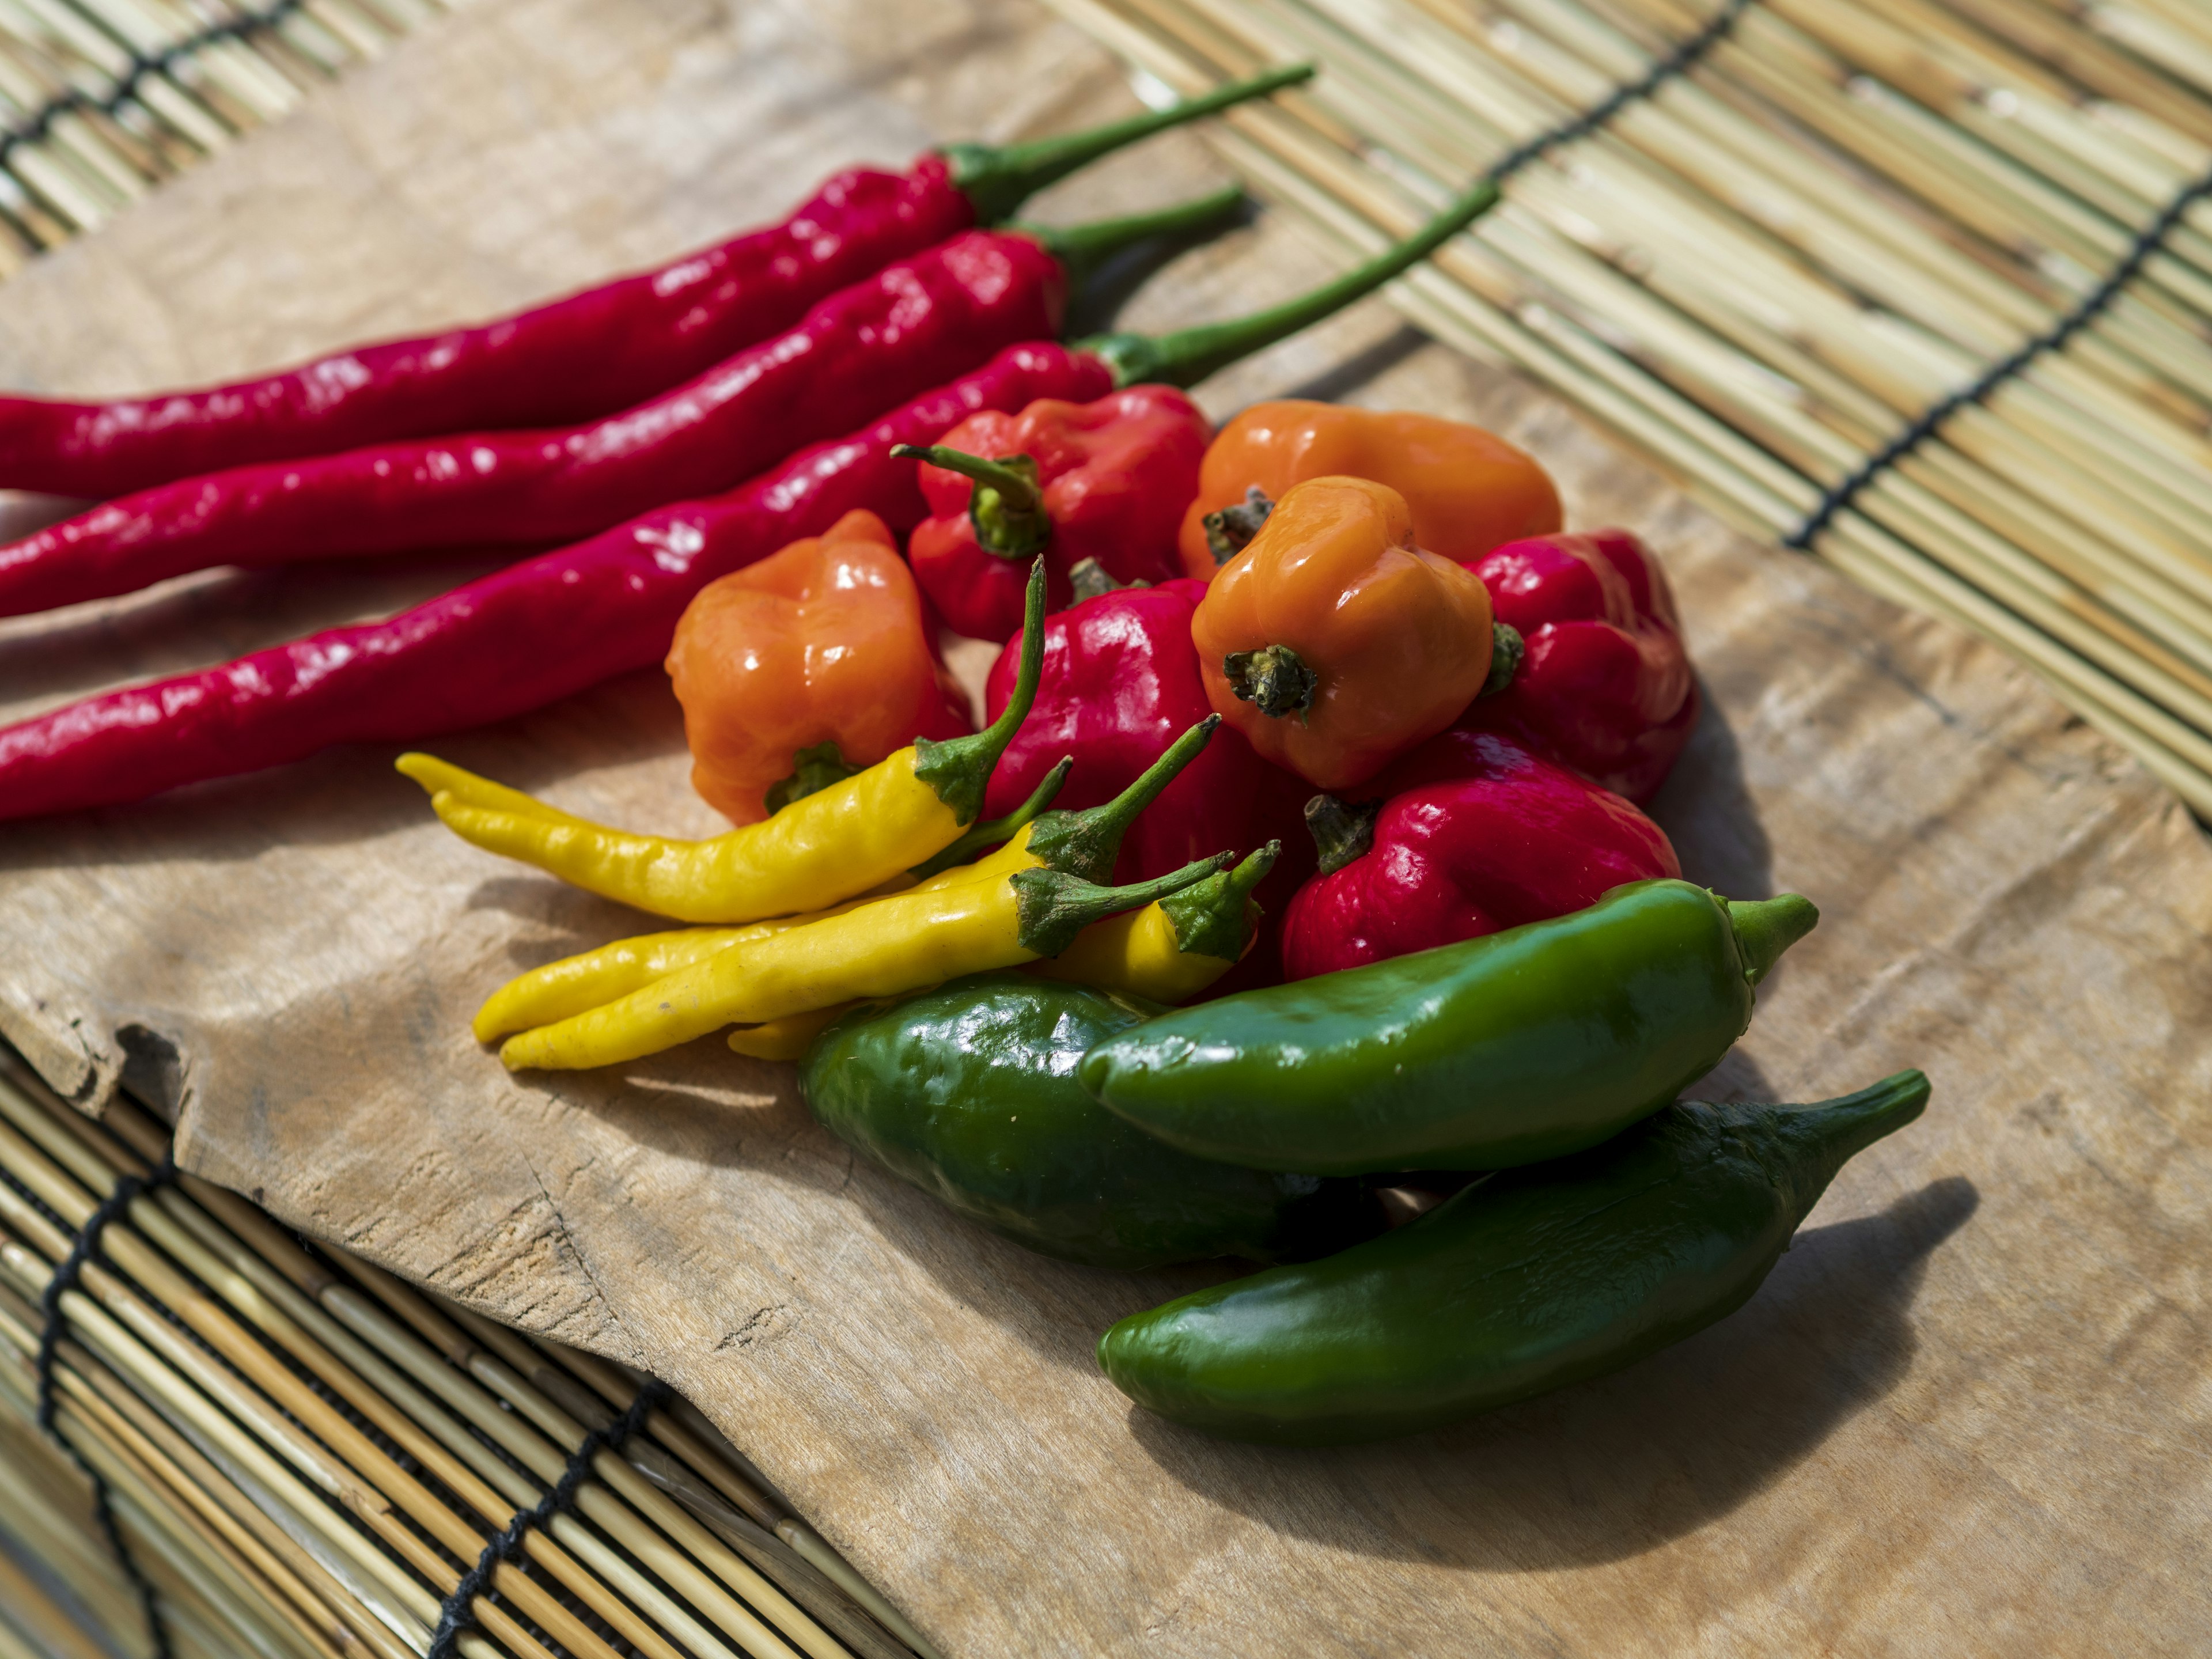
{"type": "Point", "coordinates": [1967, 1414]}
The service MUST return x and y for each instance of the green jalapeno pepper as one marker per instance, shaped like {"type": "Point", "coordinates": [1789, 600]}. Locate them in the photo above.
{"type": "Point", "coordinates": [1531, 1280]}
{"type": "Point", "coordinates": [1524, 1045]}
{"type": "Point", "coordinates": [968, 1092]}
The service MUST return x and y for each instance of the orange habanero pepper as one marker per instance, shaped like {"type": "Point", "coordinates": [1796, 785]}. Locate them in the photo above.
{"type": "Point", "coordinates": [1334, 642]}
{"type": "Point", "coordinates": [802, 669]}
{"type": "Point", "coordinates": [1470, 490]}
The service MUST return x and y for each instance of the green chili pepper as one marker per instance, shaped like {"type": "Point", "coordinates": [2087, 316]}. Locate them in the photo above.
{"type": "Point", "coordinates": [1524, 1045]}
{"type": "Point", "coordinates": [968, 1092]}
{"type": "Point", "coordinates": [1530, 1281]}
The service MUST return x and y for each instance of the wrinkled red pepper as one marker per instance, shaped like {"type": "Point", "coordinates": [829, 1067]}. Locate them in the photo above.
{"type": "Point", "coordinates": [603, 350]}
{"type": "Point", "coordinates": [1471, 835]}
{"type": "Point", "coordinates": [1120, 683]}
{"type": "Point", "coordinates": [1105, 481]}
{"type": "Point", "coordinates": [1605, 684]}
{"type": "Point", "coordinates": [513, 640]}
{"type": "Point", "coordinates": [912, 326]}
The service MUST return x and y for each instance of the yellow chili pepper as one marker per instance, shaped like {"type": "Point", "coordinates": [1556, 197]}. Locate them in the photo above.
{"type": "Point", "coordinates": [889, 948]}
{"type": "Point", "coordinates": [576, 984]}
{"type": "Point", "coordinates": [825, 848]}
{"type": "Point", "coordinates": [1175, 946]}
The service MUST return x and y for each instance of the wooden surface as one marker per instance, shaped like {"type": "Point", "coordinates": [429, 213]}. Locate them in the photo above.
{"type": "Point", "coordinates": [1967, 1414]}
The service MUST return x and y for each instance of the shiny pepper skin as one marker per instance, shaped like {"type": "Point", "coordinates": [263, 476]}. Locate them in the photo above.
{"type": "Point", "coordinates": [1115, 475]}
{"type": "Point", "coordinates": [1120, 679]}
{"type": "Point", "coordinates": [1467, 489]}
{"type": "Point", "coordinates": [820, 643]}
{"type": "Point", "coordinates": [968, 1092]}
{"type": "Point", "coordinates": [1335, 642]}
{"type": "Point", "coordinates": [1605, 686]}
{"type": "Point", "coordinates": [1471, 835]}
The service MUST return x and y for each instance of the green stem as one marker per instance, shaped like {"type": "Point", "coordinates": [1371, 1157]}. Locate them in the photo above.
{"type": "Point", "coordinates": [1214, 917]}
{"type": "Point", "coordinates": [997, 830]}
{"type": "Point", "coordinates": [999, 178]}
{"type": "Point", "coordinates": [1082, 249]}
{"type": "Point", "coordinates": [1054, 906]}
{"type": "Point", "coordinates": [812, 770]}
{"type": "Point", "coordinates": [1087, 579]}
{"type": "Point", "coordinates": [1341, 833]}
{"type": "Point", "coordinates": [1006, 507]}
{"type": "Point", "coordinates": [1274, 679]}
{"type": "Point", "coordinates": [959, 768]}
{"type": "Point", "coordinates": [1086, 843]}
{"type": "Point", "coordinates": [1230, 532]}
{"type": "Point", "coordinates": [1764, 929]}
{"type": "Point", "coordinates": [1507, 648]}
{"type": "Point", "coordinates": [1187, 357]}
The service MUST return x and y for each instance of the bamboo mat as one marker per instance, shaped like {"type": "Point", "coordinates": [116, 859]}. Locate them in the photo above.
{"type": "Point", "coordinates": [102, 99]}
{"type": "Point", "coordinates": [301, 1458]}
{"type": "Point", "coordinates": [1922, 286]}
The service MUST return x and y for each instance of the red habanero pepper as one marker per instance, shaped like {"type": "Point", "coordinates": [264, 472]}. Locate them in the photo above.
{"type": "Point", "coordinates": [1604, 684]}
{"type": "Point", "coordinates": [1121, 682]}
{"type": "Point", "coordinates": [512, 641]}
{"type": "Point", "coordinates": [1473, 834]}
{"type": "Point", "coordinates": [552, 625]}
{"type": "Point", "coordinates": [912, 326]}
{"type": "Point", "coordinates": [1104, 480]}
{"type": "Point", "coordinates": [591, 354]}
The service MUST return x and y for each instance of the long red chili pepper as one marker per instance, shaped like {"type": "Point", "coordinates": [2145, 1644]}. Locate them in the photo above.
{"type": "Point", "coordinates": [914, 324]}
{"type": "Point", "coordinates": [588, 354]}
{"type": "Point", "coordinates": [550, 626]}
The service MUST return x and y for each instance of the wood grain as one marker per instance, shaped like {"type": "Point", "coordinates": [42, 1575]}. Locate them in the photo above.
{"type": "Point", "coordinates": [1967, 1414]}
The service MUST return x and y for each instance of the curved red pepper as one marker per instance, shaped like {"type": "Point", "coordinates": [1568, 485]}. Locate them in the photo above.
{"type": "Point", "coordinates": [1606, 685]}
{"type": "Point", "coordinates": [1112, 480]}
{"type": "Point", "coordinates": [513, 640]}
{"type": "Point", "coordinates": [912, 326]}
{"type": "Point", "coordinates": [1473, 834]}
{"type": "Point", "coordinates": [1120, 683]}
{"type": "Point", "coordinates": [603, 350]}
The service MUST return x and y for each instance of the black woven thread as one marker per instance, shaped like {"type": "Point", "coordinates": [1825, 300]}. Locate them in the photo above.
{"type": "Point", "coordinates": [143, 65]}
{"type": "Point", "coordinates": [1677, 63]}
{"type": "Point", "coordinates": [64, 1281]}
{"type": "Point", "coordinates": [1924, 427]}
{"type": "Point", "coordinates": [456, 1614]}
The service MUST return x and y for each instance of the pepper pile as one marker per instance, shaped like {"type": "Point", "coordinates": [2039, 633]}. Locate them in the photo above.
{"type": "Point", "coordinates": [1295, 883]}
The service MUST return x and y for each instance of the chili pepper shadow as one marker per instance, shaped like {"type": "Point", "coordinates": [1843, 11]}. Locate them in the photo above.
{"type": "Point", "coordinates": [1611, 1468]}
{"type": "Point", "coordinates": [1093, 306]}
{"type": "Point", "coordinates": [1707, 811]}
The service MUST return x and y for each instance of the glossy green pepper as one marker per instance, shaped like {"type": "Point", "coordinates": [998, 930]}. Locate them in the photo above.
{"type": "Point", "coordinates": [1530, 1281]}
{"type": "Point", "coordinates": [968, 1092]}
{"type": "Point", "coordinates": [1524, 1045]}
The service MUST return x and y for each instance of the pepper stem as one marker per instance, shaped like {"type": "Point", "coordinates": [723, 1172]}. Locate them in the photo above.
{"type": "Point", "coordinates": [1086, 843]}
{"type": "Point", "coordinates": [1507, 648]}
{"type": "Point", "coordinates": [1214, 917]}
{"type": "Point", "coordinates": [1273, 679]}
{"type": "Point", "coordinates": [1764, 929]}
{"type": "Point", "coordinates": [1341, 833]}
{"type": "Point", "coordinates": [1188, 355]}
{"type": "Point", "coordinates": [995, 831]}
{"type": "Point", "coordinates": [1052, 906]}
{"type": "Point", "coordinates": [1007, 504]}
{"type": "Point", "coordinates": [1088, 579]}
{"type": "Point", "coordinates": [812, 770]}
{"type": "Point", "coordinates": [959, 768]}
{"type": "Point", "coordinates": [1230, 532]}
{"type": "Point", "coordinates": [1082, 249]}
{"type": "Point", "coordinates": [999, 178]}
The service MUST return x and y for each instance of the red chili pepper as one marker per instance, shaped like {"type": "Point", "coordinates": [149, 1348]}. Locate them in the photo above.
{"type": "Point", "coordinates": [1121, 682]}
{"type": "Point", "coordinates": [914, 324]}
{"type": "Point", "coordinates": [593, 353]}
{"type": "Point", "coordinates": [1472, 834]}
{"type": "Point", "coordinates": [1605, 685]}
{"type": "Point", "coordinates": [550, 626]}
{"type": "Point", "coordinates": [1105, 481]}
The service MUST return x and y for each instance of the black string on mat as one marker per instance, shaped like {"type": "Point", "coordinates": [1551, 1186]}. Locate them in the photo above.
{"type": "Point", "coordinates": [1678, 62]}
{"type": "Point", "coordinates": [2092, 305]}
{"type": "Point", "coordinates": [456, 1614]}
{"type": "Point", "coordinates": [143, 66]}
{"type": "Point", "coordinates": [66, 1274]}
